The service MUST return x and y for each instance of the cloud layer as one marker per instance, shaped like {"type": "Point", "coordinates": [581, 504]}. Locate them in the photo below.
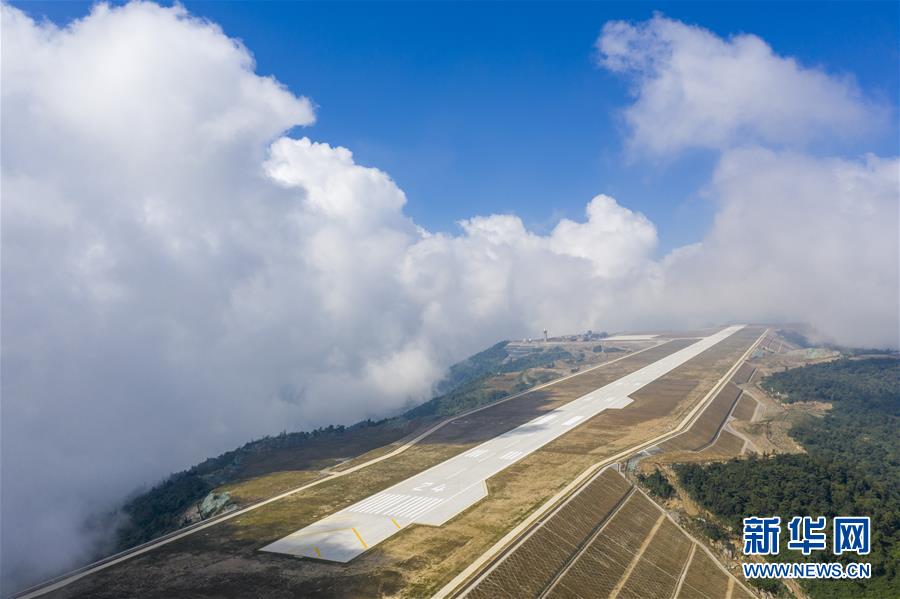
{"type": "Point", "coordinates": [797, 239]}
{"type": "Point", "coordinates": [695, 89]}
{"type": "Point", "coordinates": [178, 277]}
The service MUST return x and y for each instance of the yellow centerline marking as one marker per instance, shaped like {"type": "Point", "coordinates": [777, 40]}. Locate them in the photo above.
{"type": "Point", "coordinates": [318, 553]}
{"type": "Point", "coordinates": [395, 523]}
{"type": "Point", "coordinates": [361, 542]}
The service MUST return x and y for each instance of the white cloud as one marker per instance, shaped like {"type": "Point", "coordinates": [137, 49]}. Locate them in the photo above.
{"type": "Point", "coordinates": [695, 89]}
{"type": "Point", "coordinates": [797, 239]}
{"type": "Point", "coordinates": [617, 241]}
{"type": "Point", "coordinates": [178, 278]}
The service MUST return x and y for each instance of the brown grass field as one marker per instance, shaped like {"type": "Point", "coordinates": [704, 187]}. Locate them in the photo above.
{"type": "Point", "coordinates": [224, 560]}
{"type": "Point", "coordinates": [532, 566]}
{"type": "Point", "coordinates": [657, 572]}
{"type": "Point", "coordinates": [700, 442]}
{"type": "Point", "coordinates": [600, 568]}
{"type": "Point", "coordinates": [743, 374]}
{"type": "Point", "coordinates": [703, 431]}
{"type": "Point", "coordinates": [727, 446]}
{"type": "Point", "coordinates": [641, 553]}
{"type": "Point", "coordinates": [555, 561]}
{"type": "Point", "coordinates": [745, 408]}
{"type": "Point", "coordinates": [704, 579]}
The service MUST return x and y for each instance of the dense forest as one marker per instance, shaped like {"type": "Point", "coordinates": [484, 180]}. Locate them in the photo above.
{"type": "Point", "coordinates": [161, 509]}
{"type": "Point", "coordinates": [658, 485]}
{"type": "Point", "coordinates": [852, 468]}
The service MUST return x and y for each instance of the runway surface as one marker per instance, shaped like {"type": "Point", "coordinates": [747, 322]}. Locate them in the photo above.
{"type": "Point", "coordinates": [436, 495]}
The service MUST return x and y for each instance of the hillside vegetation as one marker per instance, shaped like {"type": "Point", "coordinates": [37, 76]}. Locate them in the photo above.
{"type": "Point", "coordinates": [852, 468]}
{"type": "Point", "coordinates": [496, 360]}
{"type": "Point", "coordinates": [163, 508]}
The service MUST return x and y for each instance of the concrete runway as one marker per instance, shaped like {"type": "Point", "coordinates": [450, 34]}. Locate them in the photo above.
{"type": "Point", "coordinates": [438, 494]}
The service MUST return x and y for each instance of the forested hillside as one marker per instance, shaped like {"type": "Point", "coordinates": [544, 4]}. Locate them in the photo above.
{"type": "Point", "coordinates": [496, 360]}
{"type": "Point", "coordinates": [161, 509]}
{"type": "Point", "coordinates": [852, 468]}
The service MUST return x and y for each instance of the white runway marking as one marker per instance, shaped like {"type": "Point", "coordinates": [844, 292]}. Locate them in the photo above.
{"type": "Point", "coordinates": [511, 455]}
{"type": "Point", "coordinates": [417, 507]}
{"type": "Point", "coordinates": [545, 419]}
{"type": "Point", "coordinates": [438, 494]}
{"type": "Point", "coordinates": [377, 502]}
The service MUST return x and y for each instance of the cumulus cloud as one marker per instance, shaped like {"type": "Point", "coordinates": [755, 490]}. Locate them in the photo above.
{"type": "Point", "coordinates": [797, 239]}
{"type": "Point", "coordinates": [179, 277]}
{"type": "Point", "coordinates": [694, 89]}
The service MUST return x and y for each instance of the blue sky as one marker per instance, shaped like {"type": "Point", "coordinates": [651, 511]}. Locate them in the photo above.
{"type": "Point", "coordinates": [478, 108]}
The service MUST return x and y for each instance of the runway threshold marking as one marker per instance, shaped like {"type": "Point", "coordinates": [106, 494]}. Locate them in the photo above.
{"type": "Point", "coordinates": [361, 542]}
{"type": "Point", "coordinates": [511, 455]}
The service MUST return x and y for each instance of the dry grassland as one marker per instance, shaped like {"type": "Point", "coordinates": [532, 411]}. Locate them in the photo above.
{"type": "Point", "coordinates": [555, 560]}
{"type": "Point", "coordinates": [727, 446]}
{"type": "Point", "coordinates": [718, 434]}
{"type": "Point", "coordinates": [743, 374]}
{"type": "Point", "coordinates": [599, 569]}
{"type": "Point", "coordinates": [703, 431]}
{"type": "Point", "coordinates": [740, 593]}
{"type": "Point", "coordinates": [532, 566]}
{"type": "Point", "coordinates": [256, 489]}
{"type": "Point", "coordinates": [704, 579]}
{"type": "Point", "coordinates": [657, 572]}
{"type": "Point", "coordinates": [745, 408]}
{"type": "Point", "coordinates": [769, 431]}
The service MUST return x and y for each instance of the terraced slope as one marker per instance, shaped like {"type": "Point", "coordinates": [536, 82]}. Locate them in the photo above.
{"type": "Point", "coordinates": [610, 540]}
{"type": "Point", "coordinates": [529, 570]}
